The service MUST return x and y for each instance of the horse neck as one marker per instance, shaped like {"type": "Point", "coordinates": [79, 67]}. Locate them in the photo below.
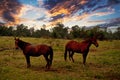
{"type": "Point", "coordinates": [23, 44]}
{"type": "Point", "coordinates": [87, 42]}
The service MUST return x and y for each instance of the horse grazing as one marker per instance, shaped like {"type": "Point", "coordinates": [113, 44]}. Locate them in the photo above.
{"type": "Point", "coordinates": [82, 47]}
{"type": "Point", "coordinates": [35, 51]}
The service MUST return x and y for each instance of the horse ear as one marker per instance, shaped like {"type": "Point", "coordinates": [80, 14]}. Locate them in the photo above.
{"type": "Point", "coordinates": [18, 38]}
{"type": "Point", "coordinates": [14, 38]}
{"type": "Point", "coordinates": [96, 36]}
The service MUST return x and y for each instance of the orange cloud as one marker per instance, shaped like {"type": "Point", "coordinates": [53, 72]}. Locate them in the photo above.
{"type": "Point", "coordinates": [10, 11]}
{"type": "Point", "coordinates": [55, 12]}
{"type": "Point", "coordinates": [67, 7]}
{"type": "Point", "coordinates": [82, 2]}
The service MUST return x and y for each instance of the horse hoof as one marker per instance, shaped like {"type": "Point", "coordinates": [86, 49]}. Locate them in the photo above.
{"type": "Point", "coordinates": [84, 64]}
{"type": "Point", "coordinates": [28, 66]}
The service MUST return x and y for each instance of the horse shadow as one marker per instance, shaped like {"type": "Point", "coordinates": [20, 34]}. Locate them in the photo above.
{"type": "Point", "coordinates": [42, 69]}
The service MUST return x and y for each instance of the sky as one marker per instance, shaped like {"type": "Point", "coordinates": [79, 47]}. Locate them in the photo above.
{"type": "Point", "coordinates": [36, 13]}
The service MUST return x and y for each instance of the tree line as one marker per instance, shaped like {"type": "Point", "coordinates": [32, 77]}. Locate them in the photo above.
{"type": "Point", "coordinates": [59, 31]}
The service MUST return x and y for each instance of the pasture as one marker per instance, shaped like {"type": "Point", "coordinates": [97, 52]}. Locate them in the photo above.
{"type": "Point", "coordinates": [103, 63]}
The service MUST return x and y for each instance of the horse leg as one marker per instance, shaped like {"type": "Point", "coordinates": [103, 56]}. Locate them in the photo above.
{"type": "Point", "coordinates": [28, 61]}
{"type": "Point", "coordinates": [47, 60]}
{"type": "Point", "coordinates": [65, 54]}
{"type": "Point", "coordinates": [69, 55]}
{"type": "Point", "coordinates": [84, 58]}
{"type": "Point", "coordinates": [72, 56]}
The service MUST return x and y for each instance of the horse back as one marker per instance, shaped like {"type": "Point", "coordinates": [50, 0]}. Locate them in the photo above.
{"type": "Point", "coordinates": [36, 50]}
{"type": "Point", "coordinates": [72, 45]}
{"type": "Point", "coordinates": [76, 46]}
{"type": "Point", "coordinates": [43, 49]}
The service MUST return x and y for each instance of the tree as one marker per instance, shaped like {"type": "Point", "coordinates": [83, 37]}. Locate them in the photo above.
{"type": "Point", "coordinates": [59, 31]}
{"type": "Point", "coordinates": [6, 31]}
{"type": "Point", "coordinates": [75, 32]}
{"type": "Point", "coordinates": [22, 31]}
{"type": "Point", "coordinates": [41, 33]}
{"type": "Point", "coordinates": [10, 31]}
{"type": "Point", "coordinates": [116, 35]}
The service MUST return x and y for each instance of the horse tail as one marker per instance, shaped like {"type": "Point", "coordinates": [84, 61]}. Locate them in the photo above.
{"type": "Point", "coordinates": [65, 54]}
{"type": "Point", "coordinates": [51, 55]}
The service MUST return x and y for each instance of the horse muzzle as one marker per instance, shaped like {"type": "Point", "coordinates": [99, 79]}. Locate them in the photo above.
{"type": "Point", "coordinates": [16, 48]}
{"type": "Point", "coordinates": [96, 45]}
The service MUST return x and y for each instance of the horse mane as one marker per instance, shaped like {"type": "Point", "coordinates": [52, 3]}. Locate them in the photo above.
{"type": "Point", "coordinates": [22, 44]}
{"type": "Point", "coordinates": [26, 43]}
{"type": "Point", "coordinates": [86, 40]}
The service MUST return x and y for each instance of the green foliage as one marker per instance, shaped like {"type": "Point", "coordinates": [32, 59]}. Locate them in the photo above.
{"type": "Point", "coordinates": [61, 32]}
{"type": "Point", "coordinates": [22, 31]}
{"type": "Point", "coordinates": [75, 31]}
{"type": "Point", "coordinates": [4, 31]}
{"type": "Point", "coordinates": [117, 34]}
{"type": "Point", "coordinates": [41, 33]}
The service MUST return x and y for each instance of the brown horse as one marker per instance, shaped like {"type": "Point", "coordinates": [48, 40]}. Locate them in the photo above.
{"type": "Point", "coordinates": [82, 47]}
{"type": "Point", "coordinates": [35, 50]}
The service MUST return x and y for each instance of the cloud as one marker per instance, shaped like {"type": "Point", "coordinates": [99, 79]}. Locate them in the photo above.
{"type": "Point", "coordinates": [62, 10]}
{"type": "Point", "coordinates": [58, 8]}
{"type": "Point", "coordinates": [114, 20]}
{"type": "Point", "coordinates": [10, 10]}
{"type": "Point", "coordinates": [97, 21]}
{"type": "Point", "coordinates": [53, 11]}
{"type": "Point", "coordinates": [49, 4]}
{"type": "Point", "coordinates": [68, 7]}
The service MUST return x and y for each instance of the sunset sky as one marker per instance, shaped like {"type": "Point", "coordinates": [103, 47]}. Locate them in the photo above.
{"type": "Point", "coordinates": [35, 13]}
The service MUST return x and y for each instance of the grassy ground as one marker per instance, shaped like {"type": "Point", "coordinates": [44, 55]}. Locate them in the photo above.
{"type": "Point", "coordinates": [103, 63]}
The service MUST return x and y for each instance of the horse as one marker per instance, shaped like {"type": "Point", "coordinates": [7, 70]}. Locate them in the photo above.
{"type": "Point", "coordinates": [35, 51]}
{"type": "Point", "coordinates": [79, 47]}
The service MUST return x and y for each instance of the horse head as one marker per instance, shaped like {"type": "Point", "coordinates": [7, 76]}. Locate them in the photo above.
{"type": "Point", "coordinates": [94, 41]}
{"type": "Point", "coordinates": [16, 43]}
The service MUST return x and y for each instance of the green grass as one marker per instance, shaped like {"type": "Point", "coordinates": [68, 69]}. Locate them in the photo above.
{"type": "Point", "coordinates": [103, 63]}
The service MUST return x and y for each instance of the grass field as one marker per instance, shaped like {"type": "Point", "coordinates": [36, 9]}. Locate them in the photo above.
{"type": "Point", "coordinates": [103, 63]}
